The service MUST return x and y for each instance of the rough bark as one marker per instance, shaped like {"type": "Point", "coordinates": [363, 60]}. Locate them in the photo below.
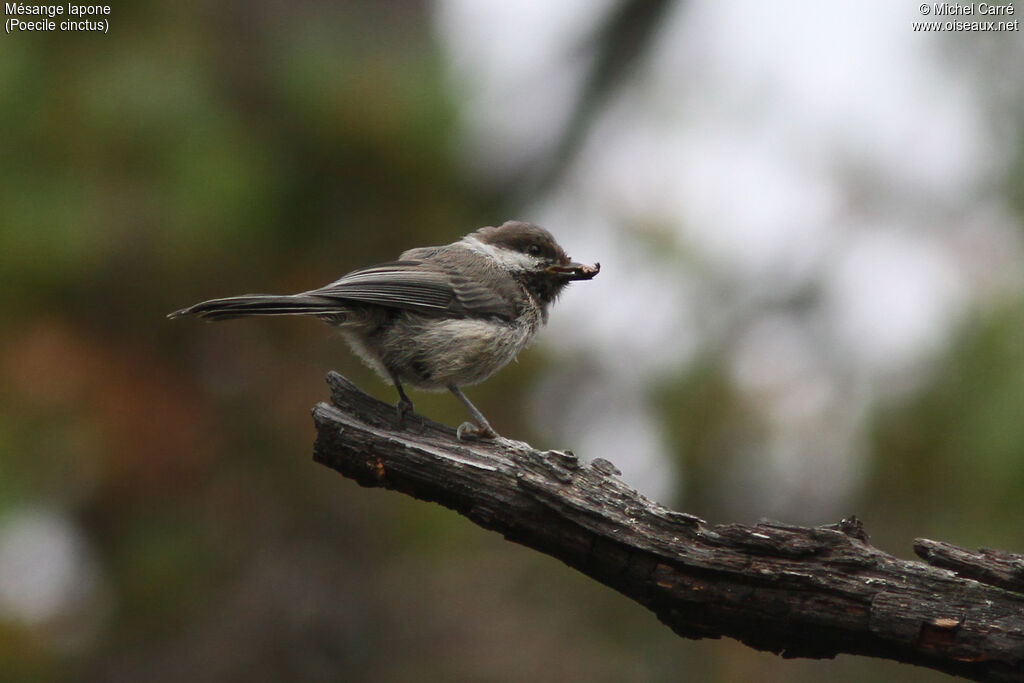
{"type": "Point", "coordinates": [795, 591]}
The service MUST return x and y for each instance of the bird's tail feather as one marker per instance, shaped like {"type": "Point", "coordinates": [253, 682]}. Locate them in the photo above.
{"type": "Point", "coordinates": [259, 304]}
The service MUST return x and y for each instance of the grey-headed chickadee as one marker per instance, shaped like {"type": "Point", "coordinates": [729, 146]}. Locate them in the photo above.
{"type": "Point", "coordinates": [439, 317]}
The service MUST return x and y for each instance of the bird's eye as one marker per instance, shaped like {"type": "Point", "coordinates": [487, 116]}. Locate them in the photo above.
{"type": "Point", "coordinates": [533, 250]}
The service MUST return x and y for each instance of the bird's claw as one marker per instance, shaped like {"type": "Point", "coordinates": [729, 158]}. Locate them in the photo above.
{"type": "Point", "coordinates": [468, 431]}
{"type": "Point", "coordinates": [403, 408]}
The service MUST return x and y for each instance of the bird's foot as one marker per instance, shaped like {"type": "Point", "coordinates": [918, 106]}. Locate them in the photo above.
{"type": "Point", "coordinates": [403, 408]}
{"type": "Point", "coordinates": [468, 431]}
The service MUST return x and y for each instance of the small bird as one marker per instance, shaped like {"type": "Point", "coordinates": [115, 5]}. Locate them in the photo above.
{"type": "Point", "coordinates": [439, 317]}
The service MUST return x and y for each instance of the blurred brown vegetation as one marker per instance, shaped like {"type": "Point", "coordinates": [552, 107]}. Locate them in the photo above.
{"type": "Point", "coordinates": [205, 149]}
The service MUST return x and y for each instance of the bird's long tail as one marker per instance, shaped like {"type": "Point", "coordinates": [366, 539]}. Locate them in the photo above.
{"type": "Point", "coordinates": [260, 304]}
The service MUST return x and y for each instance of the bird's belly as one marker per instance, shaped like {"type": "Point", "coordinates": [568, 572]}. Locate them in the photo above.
{"type": "Point", "coordinates": [438, 353]}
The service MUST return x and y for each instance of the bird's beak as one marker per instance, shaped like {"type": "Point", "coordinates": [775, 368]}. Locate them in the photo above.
{"type": "Point", "coordinates": [575, 271]}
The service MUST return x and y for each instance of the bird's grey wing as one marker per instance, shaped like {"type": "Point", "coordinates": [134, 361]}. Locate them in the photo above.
{"type": "Point", "coordinates": [417, 286]}
{"type": "Point", "coordinates": [480, 300]}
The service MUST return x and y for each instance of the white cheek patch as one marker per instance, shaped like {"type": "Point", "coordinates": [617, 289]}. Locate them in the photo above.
{"type": "Point", "coordinates": [513, 260]}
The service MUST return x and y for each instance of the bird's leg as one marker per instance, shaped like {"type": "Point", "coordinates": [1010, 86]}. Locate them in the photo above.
{"type": "Point", "coordinates": [467, 430]}
{"type": "Point", "coordinates": [404, 405]}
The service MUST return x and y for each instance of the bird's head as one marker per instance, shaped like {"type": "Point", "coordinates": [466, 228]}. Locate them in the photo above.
{"type": "Point", "coordinates": [530, 253]}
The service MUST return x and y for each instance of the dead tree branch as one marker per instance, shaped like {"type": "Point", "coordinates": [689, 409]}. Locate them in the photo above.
{"type": "Point", "coordinates": [795, 591]}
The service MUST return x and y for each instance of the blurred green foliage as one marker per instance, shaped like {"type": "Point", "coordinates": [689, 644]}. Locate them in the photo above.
{"type": "Point", "coordinates": [950, 459]}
